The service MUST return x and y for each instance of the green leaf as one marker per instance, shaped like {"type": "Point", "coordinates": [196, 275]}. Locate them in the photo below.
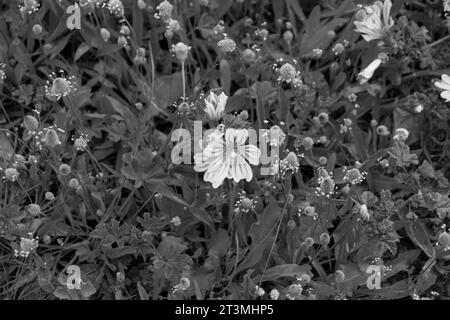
{"type": "Point", "coordinates": [286, 270]}
{"type": "Point", "coordinates": [262, 235]}
{"type": "Point", "coordinates": [142, 293]}
{"type": "Point", "coordinates": [417, 233]}
{"type": "Point", "coordinates": [82, 49]}
{"type": "Point", "coordinates": [6, 149]}
{"type": "Point", "coordinates": [225, 75]}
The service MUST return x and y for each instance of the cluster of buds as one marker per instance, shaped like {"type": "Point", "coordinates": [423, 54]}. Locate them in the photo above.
{"type": "Point", "coordinates": [165, 13]}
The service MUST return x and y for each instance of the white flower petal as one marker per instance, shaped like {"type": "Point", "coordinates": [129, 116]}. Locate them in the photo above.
{"type": "Point", "coordinates": [442, 85]}
{"type": "Point", "coordinates": [446, 78]}
{"type": "Point", "coordinates": [252, 154]}
{"type": "Point", "coordinates": [445, 95]}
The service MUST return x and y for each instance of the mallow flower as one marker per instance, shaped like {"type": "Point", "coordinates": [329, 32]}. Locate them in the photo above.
{"type": "Point", "coordinates": [374, 21]}
{"type": "Point", "coordinates": [215, 105]}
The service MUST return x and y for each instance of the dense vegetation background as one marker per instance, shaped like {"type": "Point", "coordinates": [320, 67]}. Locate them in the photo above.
{"type": "Point", "coordinates": [87, 164]}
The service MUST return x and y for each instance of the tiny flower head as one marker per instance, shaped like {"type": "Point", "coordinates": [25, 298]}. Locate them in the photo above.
{"type": "Point", "coordinates": [181, 51]}
{"type": "Point", "coordinates": [30, 123]}
{"type": "Point", "coordinates": [164, 10]}
{"type": "Point", "coordinates": [49, 196]}
{"type": "Point", "coordinates": [27, 246]}
{"type": "Point", "coordinates": [259, 291]}
{"type": "Point", "coordinates": [29, 6]}
{"type": "Point", "coordinates": [274, 294]}
{"type": "Point", "coordinates": [81, 143]}
{"type": "Point", "coordinates": [105, 34]}
{"type": "Point", "coordinates": [338, 48]}
{"type": "Point", "coordinates": [2, 72]}
{"type": "Point", "coordinates": [248, 55]}
{"type": "Point", "coordinates": [116, 7]}
{"type": "Point", "coordinates": [401, 134]}
{"type": "Point", "coordinates": [323, 160]}
{"type": "Point", "coordinates": [122, 42]}
{"type": "Point", "coordinates": [227, 45]}
{"type": "Point", "coordinates": [141, 4]}
{"type": "Point", "coordinates": [125, 30]}
{"type": "Point", "coordinates": [34, 209]}
{"type": "Point", "coordinates": [307, 143]}
{"type": "Point", "coordinates": [277, 136]}
{"type": "Point", "coordinates": [339, 276]}
{"type": "Point", "coordinates": [324, 239]}
{"type": "Point", "coordinates": [74, 183]}
{"type": "Point", "coordinates": [173, 25]}
{"type": "Point", "coordinates": [64, 169]}
{"type": "Point", "coordinates": [51, 138]}
{"type": "Point", "coordinates": [37, 29]}
{"type": "Point", "coordinates": [11, 174]}
{"type": "Point", "coordinates": [140, 58]}
{"type": "Point", "coordinates": [326, 186]}
{"type": "Point", "coordinates": [291, 224]}
{"type": "Point", "coordinates": [294, 290]}
{"type": "Point", "coordinates": [176, 221]}
{"type": "Point", "coordinates": [184, 284]}
{"type": "Point", "coordinates": [287, 72]}
{"type": "Point", "coordinates": [309, 242]}
{"type": "Point", "coordinates": [59, 87]}
{"type": "Point", "coordinates": [290, 163]}
{"type": "Point", "coordinates": [382, 130]}
{"type": "Point", "coordinates": [262, 33]}
{"type": "Point", "coordinates": [444, 239]}
{"type": "Point", "coordinates": [323, 117]}
{"type": "Point", "coordinates": [310, 211]}
{"type": "Point", "coordinates": [245, 204]}
{"type": "Point", "coordinates": [288, 36]}
{"type": "Point", "coordinates": [354, 176]}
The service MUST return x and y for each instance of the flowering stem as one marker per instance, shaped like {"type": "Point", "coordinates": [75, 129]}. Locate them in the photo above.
{"type": "Point", "coordinates": [232, 197]}
{"type": "Point", "coordinates": [184, 80]}
{"type": "Point", "coordinates": [247, 83]}
{"type": "Point", "coordinates": [274, 241]}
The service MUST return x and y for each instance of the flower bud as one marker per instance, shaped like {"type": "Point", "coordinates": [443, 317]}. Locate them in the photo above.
{"type": "Point", "coordinates": [227, 45]}
{"type": "Point", "coordinates": [274, 294]}
{"type": "Point", "coordinates": [64, 170]}
{"type": "Point", "coordinates": [33, 209]}
{"type": "Point", "coordinates": [324, 238]}
{"type": "Point", "coordinates": [30, 123]}
{"type": "Point", "coordinates": [74, 183]}
{"type": "Point", "coordinates": [49, 196]}
{"type": "Point", "coordinates": [51, 138]}
{"type": "Point", "coordinates": [105, 34]}
{"type": "Point", "coordinates": [37, 29]}
{"type": "Point", "coordinates": [181, 51]}
{"type": "Point", "coordinates": [364, 212]}
{"type": "Point", "coordinates": [444, 239]}
{"type": "Point", "coordinates": [291, 224]}
{"type": "Point", "coordinates": [339, 276]}
{"type": "Point", "coordinates": [11, 174]}
{"type": "Point", "coordinates": [288, 36]}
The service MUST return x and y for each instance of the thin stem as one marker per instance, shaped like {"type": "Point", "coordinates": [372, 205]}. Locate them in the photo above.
{"type": "Point", "coordinates": [273, 244]}
{"type": "Point", "coordinates": [183, 75]}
